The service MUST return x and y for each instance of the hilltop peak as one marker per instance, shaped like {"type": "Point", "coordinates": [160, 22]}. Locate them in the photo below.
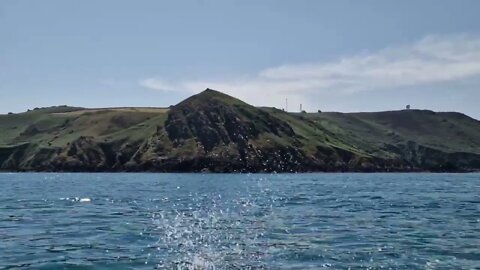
{"type": "Point", "coordinates": [211, 91]}
{"type": "Point", "coordinates": [208, 96]}
{"type": "Point", "coordinates": [214, 93]}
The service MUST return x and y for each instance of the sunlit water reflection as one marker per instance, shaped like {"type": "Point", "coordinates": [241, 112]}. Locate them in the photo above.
{"type": "Point", "coordinates": [225, 221]}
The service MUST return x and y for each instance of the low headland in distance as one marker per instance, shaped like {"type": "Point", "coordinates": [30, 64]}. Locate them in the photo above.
{"type": "Point", "coordinates": [214, 132]}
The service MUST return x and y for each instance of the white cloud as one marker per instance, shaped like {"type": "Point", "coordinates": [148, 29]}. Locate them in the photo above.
{"type": "Point", "coordinates": [158, 84]}
{"type": "Point", "coordinates": [433, 59]}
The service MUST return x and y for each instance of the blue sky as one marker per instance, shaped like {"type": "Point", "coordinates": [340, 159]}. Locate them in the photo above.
{"type": "Point", "coordinates": [329, 55]}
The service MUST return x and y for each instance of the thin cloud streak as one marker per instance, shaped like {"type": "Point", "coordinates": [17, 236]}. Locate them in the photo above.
{"type": "Point", "coordinates": [158, 84]}
{"type": "Point", "coordinates": [434, 59]}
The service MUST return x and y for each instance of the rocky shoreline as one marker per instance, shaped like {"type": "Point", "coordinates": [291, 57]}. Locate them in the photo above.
{"type": "Point", "coordinates": [213, 132]}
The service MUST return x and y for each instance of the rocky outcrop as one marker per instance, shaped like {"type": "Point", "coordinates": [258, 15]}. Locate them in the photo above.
{"type": "Point", "coordinates": [213, 132]}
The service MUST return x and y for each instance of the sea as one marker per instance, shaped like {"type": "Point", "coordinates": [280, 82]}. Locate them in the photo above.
{"type": "Point", "coordinates": [239, 221]}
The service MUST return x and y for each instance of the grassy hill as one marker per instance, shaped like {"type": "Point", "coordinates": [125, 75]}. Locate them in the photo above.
{"type": "Point", "coordinates": [212, 131]}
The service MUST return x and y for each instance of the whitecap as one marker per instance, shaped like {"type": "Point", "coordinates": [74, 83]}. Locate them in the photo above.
{"type": "Point", "coordinates": [85, 200]}
{"type": "Point", "coordinates": [201, 263]}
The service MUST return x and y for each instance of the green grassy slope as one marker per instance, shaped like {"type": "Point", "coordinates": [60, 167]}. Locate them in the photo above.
{"type": "Point", "coordinates": [51, 127]}
{"type": "Point", "coordinates": [446, 131]}
{"type": "Point", "coordinates": [213, 131]}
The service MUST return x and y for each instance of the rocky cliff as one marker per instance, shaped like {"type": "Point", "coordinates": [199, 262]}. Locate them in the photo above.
{"type": "Point", "coordinates": [214, 132]}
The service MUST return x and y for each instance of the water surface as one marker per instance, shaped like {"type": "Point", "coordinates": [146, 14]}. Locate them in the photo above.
{"type": "Point", "coordinates": [239, 221]}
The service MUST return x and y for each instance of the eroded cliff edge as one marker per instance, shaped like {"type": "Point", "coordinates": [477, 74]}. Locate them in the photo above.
{"type": "Point", "coordinates": [214, 132]}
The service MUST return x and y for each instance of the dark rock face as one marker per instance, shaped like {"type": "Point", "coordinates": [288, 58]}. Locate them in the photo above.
{"type": "Point", "coordinates": [214, 123]}
{"type": "Point", "coordinates": [224, 134]}
{"type": "Point", "coordinates": [11, 157]}
{"type": "Point", "coordinates": [30, 130]}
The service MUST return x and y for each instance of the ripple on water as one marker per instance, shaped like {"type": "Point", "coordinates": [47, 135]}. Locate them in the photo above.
{"type": "Point", "coordinates": [186, 221]}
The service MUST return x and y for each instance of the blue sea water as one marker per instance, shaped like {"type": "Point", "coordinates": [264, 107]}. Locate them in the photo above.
{"type": "Point", "coordinates": [239, 221]}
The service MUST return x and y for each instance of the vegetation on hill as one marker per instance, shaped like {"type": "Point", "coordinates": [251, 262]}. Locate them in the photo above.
{"type": "Point", "coordinates": [214, 132]}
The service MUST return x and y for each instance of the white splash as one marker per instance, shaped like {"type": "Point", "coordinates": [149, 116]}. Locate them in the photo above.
{"type": "Point", "coordinates": [212, 232]}
{"type": "Point", "coordinates": [199, 263]}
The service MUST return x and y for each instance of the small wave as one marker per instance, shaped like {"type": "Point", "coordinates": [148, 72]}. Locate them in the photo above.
{"type": "Point", "coordinates": [76, 199]}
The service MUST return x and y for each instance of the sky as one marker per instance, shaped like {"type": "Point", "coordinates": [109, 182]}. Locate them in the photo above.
{"type": "Point", "coordinates": [326, 55]}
